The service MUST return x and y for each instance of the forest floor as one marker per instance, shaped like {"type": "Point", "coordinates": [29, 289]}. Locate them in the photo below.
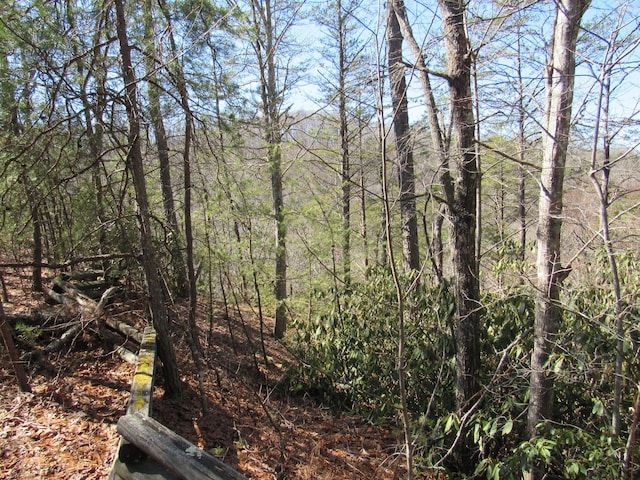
{"type": "Point", "coordinates": [66, 428]}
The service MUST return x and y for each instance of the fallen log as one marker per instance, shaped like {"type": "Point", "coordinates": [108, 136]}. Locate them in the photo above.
{"type": "Point", "coordinates": [89, 283]}
{"type": "Point", "coordinates": [131, 463]}
{"type": "Point", "coordinates": [70, 290]}
{"type": "Point", "coordinates": [71, 262]}
{"type": "Point", "coordinates": [82, 275]}
{"type": "Point", "coordinates": [122, 346]}
{"type": "Point", "coordinates": [36, 318]}
{"type": "Point", "coordinates": [144, 378]}
{"type": "Point", "coordinates": [57, 297]}
{"type": "Point", "coordinates": [65, 338]}
{"type": "Point", "coordinates": [172, 451]}
{"type": "Point", "coordinates": [125, 329]}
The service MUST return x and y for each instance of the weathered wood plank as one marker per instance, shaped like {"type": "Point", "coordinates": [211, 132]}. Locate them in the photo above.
{"type": "Point", "coordinates": [172, 451]}
{"type": "Point", "coordinates": [140, 403]}
{"type": "Point", "coordinates": [147, 469]}
{"type": "Point", "coordinates": [142, 383]}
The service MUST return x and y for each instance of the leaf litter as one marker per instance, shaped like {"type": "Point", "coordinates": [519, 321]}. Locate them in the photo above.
{"type": "Point", "coordinates": [66, 428]}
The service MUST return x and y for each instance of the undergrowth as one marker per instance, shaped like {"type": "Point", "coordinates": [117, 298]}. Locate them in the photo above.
{"type": "Point", "coordinates": [348, 355]}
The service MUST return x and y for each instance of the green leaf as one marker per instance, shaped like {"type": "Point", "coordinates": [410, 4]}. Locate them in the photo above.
{"type": "Point", "coordinates": [573, 469]}
{"type": "Point", "coordinates": [507, 427]}
{"type": "Point", "coordinates": [557, 366]}
{"type": "Point", "coordinates": [452, 421]}
{"type": "Point", "coordinates": [493, 472]}
{"type": "Point", "coordinates": [598, 407]}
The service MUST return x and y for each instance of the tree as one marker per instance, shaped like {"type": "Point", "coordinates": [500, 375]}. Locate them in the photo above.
{"type": "Point", "coordinates": [459, 196]}
{"type": "Point", "coordinates": [436, 129]}
{"type": "Point", "coordinates": [159, 314]}
{"type": "Point", "coordinates": [267, 43]}
{"type": "Point", "coordinates": [611, 73]}
{"type": "Point", "coordinates": [152, 65]}
{"type": "Point", "coordinates": [404, 149]}
{"type": "Point", "coordinates": [336, 18]}
{"type": "Point", "coordinates": [461, 205]}
{"type": "Point", "coordinates": [551, 273]}
{"type": "Point", "coordinates": [175, 68]}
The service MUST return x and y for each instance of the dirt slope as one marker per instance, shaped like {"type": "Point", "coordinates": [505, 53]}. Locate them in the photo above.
{"type": "Point", "coordinates": [66, 428]}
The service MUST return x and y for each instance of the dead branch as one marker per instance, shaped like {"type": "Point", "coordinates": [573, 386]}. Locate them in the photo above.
{"type": "Point", "coordinates": [90, 311]}
{"type": "Point", "coordinates": [71, 262]}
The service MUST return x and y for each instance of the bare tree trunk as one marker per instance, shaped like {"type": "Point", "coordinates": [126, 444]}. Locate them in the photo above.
{"type": "Point", "coordinates": [440, 144]}
{"type": "Point", "coordinates": [181, 85]}
{"type": "Point", "coordinates": [560, 81]}
{"type": "Point", "coordinates": [162, 145]}
{"type": "Point", "coordinates": [166, 352]}
{"type": "Point", "coordinates": [460, 197]}
{"type": "Point", "coordinates": [266, 49]}
{"type": "Point", "coordinates": [93, 125]}
{"type": "Point", "coordinates": [404, 149]}
{"type": "Point", "coordinates": [36, 284]}
{"type": "Point", "coordinates": [11, 123]}
{"type": "Point", "coordinates": [400, 296]}
{"type": "Point", "coordinates": [462, 210]}
{"type": "Point", "coordinates": [344, 144]}
{"type": "Point", "coordinates": [522, 185]}
{"type": "Point", "coordinates": [363, 203]}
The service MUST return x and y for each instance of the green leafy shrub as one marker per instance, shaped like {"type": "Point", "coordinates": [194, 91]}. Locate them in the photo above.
{"type": "Point", "coordinates": [349, 351]}
{"type": "Point", "coordinates": [349, 359]}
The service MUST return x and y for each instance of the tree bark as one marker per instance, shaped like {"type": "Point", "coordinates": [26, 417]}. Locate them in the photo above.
{"type": "Point", "coordinates": [560, 80]}
{"type": "Point", "coordinates": [344, 143]}
{"type": "Point", "coordinates": [162, 145]}
{"type": "Point", "coordinates": [460, 196]}
{"type": "Point", "coordinates": [404, 149]}
{"type": "Point", "coordinates": [270, 96]}
{"type": "Point", "coordinates": [461, 201]}
{"type": "Point", "coordinates": [178, 76]}
{"type": "Point", "coordinates": [438, 139]}
{"type": "Point", "coordinates": [149, 262]}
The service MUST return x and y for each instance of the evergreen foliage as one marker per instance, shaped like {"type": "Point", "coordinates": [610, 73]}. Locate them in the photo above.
{"type": "Point", "coordinates": [348, 361]}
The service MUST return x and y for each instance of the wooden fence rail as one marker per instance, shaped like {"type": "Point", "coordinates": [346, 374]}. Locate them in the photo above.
{"type": "Point", "coordinates": [150, 451]}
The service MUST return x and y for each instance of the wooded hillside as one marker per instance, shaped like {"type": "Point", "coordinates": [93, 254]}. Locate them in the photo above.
{"type": "Point", "coordinates": [432, 206]}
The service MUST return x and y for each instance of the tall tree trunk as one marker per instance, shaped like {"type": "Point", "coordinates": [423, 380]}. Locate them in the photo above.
{"type": "Point", "coordinates": [162, 145]}
{"type": "Point", "coordinates": [438, 137]}
{"type": "Point", "coordinates": [266, 49]}
{"type": "Point", "coordinates": [522, 185]}
{"type": "Point", "coordinates": [36, 277]}
{"type": "Point", "coordinates": [476, 101]}
{"type": "Point", "coordinates": [600, 177]}
{"type": "Point", "coordinates": [149, 263]}
{"type": "Point", "coordinates": [344, 145]}
{"type": "Point", "coordinates": [363, 202]}
{"type": "Point", "coordinates": [181, 84]}
{"type": "Point", "coordinates": [10, 122]}
{"type": "Point", "coordinates": [560, 81]}
{"type": "Point", "coordinates": [461, 200]}
{"type": "Point", "coordinates": [404, 149]}
{"type": "Point", "coordinates": [93, 124]}
{"type": "Point", "coordinates": [460, 197]}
